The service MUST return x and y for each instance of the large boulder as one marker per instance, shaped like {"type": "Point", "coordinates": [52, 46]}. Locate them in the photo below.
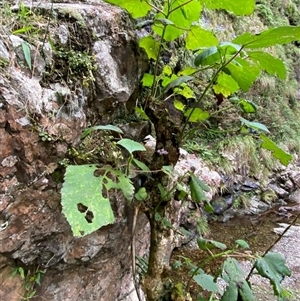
{"type": "Point", "coordinates": [85, 71]}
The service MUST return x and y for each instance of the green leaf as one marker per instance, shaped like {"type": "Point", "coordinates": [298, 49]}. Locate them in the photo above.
{"type": "Point", "coordinates": [231, 293]}
{"type": "Point", "coordinates": [185, 91]}
{"type": "Point", "coordinates": [177, 82]}
{"type": "Point", "coordinates": [208, 56]}
{"type": "Point", "coordinates": [136, 8]}
{"type": "Point", "coordinates": [245, 7]}
{"type": "Point", "coordinates": [85, 196]}
{"type": "Point", "coordinates": [131, 146]}
{"type": "Point", "coordinates": [226, 85]}
{"type": "Point", "coordinates": [196, 115]}
{"type": "Point", "coordinates": [243, 72]}
{"type": "Point", "coordinates": [141, 113]}
{"type": "Point", "coordinates": [254, 125]}
{"type": "Point", "coordinates": [21, 272]}
{"type": "Point", "coordinates": [233, 271]}
{"type": "Point", "coordinates": [182, 13]}
{"type": "Point", "coordinates": [168, 170]}
{"type": "Point", "coordinates": [26, 52]}
{"type": "Point", "coordinates": [23, 29]}
{"type": "Point", "coordinates": [247, 106]}
{"type": "Point", "coordinates": [140, 165]}
{"type": "Point", "coordinates": [269, 63]}
{"type": "Point", "coordinates": [245, 292]}
{"type": "Point", "coordinates": [187, 71]}
{"type": "Point", "coordinates": [269, 37]}
{"type": "Point", "coordinates": [197, 192]}
{"type": "Point", "coordinates": [151, 46]}
{"type": "Point", "coordinates": [141, 195]}
{"type": "Point", "coordinates": [179, 105]}
{"type": "Point", "coordinates": [272, 266]}
{"type": "Point", "coordinates": [82, 187]}
{"type": "Point", "coordinates": [207, 282]}
{"type": "Point", "coordinates": [183, 193]}
{"type": "Point", "coordinates": [107, 127]}
{"type": "Point", "coordinates": [208, 207]}
{"type": "Point", "coordinates": [277, 152]}
{"type": "Point", "coordinates": [148, 80]}
{"type": "Point", "coordinates": [241, 243]}
{"type": "Point", "coordinates": [209, 244]}
{"type": "Point", "coordinates": [163, 191]}
{"type": "Point", "coordinates": [198, 37]}
{"type": "Point", "coordinates": [238, 288]}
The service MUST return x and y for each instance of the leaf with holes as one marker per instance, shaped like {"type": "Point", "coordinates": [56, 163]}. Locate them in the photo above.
{"type": "Point", "coordinates": [82, 189]}
{"type": "Point", "coordinates": [85, 196]}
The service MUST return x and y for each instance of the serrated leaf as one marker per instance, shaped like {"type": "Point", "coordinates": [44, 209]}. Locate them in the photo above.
{"type": "Point", "coordinates": [131, 146]}
{"type": "Point", "coordinates": [82, 187]}
{"type": "Point", "coordinates": [148, 80]}
{"type": "Point", "coordinates": [269, 37]}
{"type": "Point", "coordinates": [182, 14]}
{"type": "Point", "coordinates": [243, 72]}
{"type": "Point", "coordinates": [198, 37]}
{"type": "Point", "coordinates": [276, 151]}
{"type": "Point", "coordinates": [226, 85]}
{"type": "Point", "coordinates": [136, 8]}
{"type": "Point", "coordinates": [241, 243]}
{"type": "Point", "coordinates": [151, 46]}
{"type": "Point", "coordinates": [254, 125]}
{"type": "Point", "coordinates": [141, 195]}
{"type": "Point", "coordinates": [272, 266]}
{"type": "Point", "coordinates": [237, 7]}
{"type": "Point", "coordinates": [247, 106]}
{"type": "Point", "coordinates": [269, 63]}
{"type": "Point", "coordinates": [209, 244]}
{"type": "Point", "coordinates": [196, 115]}
{"type": "Point", "coordinates": [167, 70]}
{"type": "Point", "coordinates": [27, 55]}
{"type": "Point", "coordinates": [207, 282]}
{"type": "Point", "coordinates": [177, 82]}
{"type": "Point", "coordinates": [185, 91]}
{"type": "Point", "coordinates": [179, 105]}
{"type": "Point", "coordinates": [107, 127]}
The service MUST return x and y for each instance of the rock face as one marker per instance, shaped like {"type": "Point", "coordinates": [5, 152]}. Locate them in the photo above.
{"type": "Point", "coordinates": [43, 110]}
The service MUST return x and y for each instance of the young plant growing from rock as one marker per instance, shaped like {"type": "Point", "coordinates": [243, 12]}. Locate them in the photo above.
{"type": "Point", "coordinates": [234, 66]}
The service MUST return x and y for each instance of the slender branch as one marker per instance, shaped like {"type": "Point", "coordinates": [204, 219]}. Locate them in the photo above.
{"type": "Point", "coordinates": [181, 5]}
{"type": "Point", "coordinates": [210, 84]}
{"type": "Point", "coordinates": [155, 8]}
